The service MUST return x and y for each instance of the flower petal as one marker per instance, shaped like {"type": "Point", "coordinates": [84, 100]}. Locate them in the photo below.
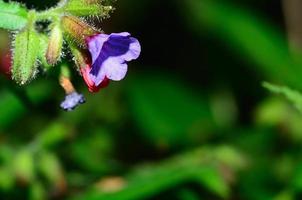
{"type": "Point", "coordinates": [110, 56]}
{"type": "Point", "coordinates": [95, 45]}
{"type": "Point", "coordinates": [72, 100]}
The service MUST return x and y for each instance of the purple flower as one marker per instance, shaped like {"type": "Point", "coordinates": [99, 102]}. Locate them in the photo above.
{"type": "Point", "coordinates": [110, 54]}
{"type": "Point", "coordinates": [72, 100]}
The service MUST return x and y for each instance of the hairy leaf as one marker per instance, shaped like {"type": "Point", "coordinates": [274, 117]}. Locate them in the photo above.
{"type": "Point", "coordinates": [87, 8]}
{"type": "Point", "coordinates": [12, 15]}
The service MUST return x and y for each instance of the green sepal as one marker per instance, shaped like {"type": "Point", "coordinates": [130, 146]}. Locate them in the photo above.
{"type": "Point", "coordinates": [12, 16]}
{"type": "Point", "coordinates": [79, 56]}
{"type": "Point", "coordinates": [87, 8]}
{"type": "Point", "coordinates": [25, 55]}
{"type": "Point", "coordinates": [44, 41]}
{"type": "Point", "coordinates": [55, 44]}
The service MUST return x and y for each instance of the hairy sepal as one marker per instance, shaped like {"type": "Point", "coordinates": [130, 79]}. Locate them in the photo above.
{"type": "Point", "coordinates": [25, 56]}
{"type": "Point", "coordinates": [44, 41]}
{"type": "Point", "coordinates": [55, 44]}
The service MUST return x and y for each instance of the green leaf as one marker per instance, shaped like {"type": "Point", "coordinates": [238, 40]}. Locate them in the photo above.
{"type": "Point", "coordinates": [12, 15]}
{"type": "Point", "coordinates": [293, 96]}
{"type": "Point", "coordinates": [26, 53]}
{"type": "Point", "coordinates": [211, 178]}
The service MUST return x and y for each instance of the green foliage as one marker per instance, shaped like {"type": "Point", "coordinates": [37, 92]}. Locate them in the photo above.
{"type": "Point", "coordinates": [292, 95]}
{"type": "Point", "coordinates": [37, 191]}
{"type": "Point", "coordinates": [7, 178]}
{"type": "Point", "coordinates": [160, 107]}
{"type": "Point", "coordinates": [11, 108]}
{"type": "Point", "coordinates": [24, 165]}
{"type": "Point", "coordinates": [97, 156]}
{"type": "Point", "coordinates": [53, 134]}
{"type": "Point", "coordinates": [200, 166]}
{"type": "Point", "coordinates": [13, 16]}
{"type": "Point", "coordinates": [50, 167]}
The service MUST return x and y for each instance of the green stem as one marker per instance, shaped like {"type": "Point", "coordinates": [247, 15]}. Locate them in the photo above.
{"type": "Point", "coordinates": [32, 16]}
{"type": "Point", "coordinates": [51, 15]}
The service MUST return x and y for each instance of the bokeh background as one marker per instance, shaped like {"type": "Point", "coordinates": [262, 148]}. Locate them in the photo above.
{"type": "Point", "coordinates": [190, 121]}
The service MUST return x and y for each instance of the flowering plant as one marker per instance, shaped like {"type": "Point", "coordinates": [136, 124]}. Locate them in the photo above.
{"type": "Point", "coordinates": [99, 57]}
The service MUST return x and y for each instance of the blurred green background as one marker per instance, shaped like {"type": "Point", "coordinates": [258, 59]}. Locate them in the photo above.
{"type": "Point", "coordinates": [190, 121]}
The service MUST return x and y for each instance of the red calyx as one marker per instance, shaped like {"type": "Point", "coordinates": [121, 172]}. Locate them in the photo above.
{"type": "Point", "coordinates": [91, 85]}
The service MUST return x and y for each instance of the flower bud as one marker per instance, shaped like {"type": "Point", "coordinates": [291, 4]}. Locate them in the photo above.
{"type": "Point", "coordinates": [77, 29]}
{"type": "Point", "coordinates": [55, 44]}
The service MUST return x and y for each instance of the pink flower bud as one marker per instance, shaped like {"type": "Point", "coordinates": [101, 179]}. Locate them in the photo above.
{"type": "Point", "coordinates": [77, 29]}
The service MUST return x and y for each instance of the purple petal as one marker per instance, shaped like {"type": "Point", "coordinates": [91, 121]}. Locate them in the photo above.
{"type": "Point", "coordinates": [110, 54]}
{"type": "Point", "coordinates": [95, 44]}
{"type": "Point", "coordinates": [72, 100]}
